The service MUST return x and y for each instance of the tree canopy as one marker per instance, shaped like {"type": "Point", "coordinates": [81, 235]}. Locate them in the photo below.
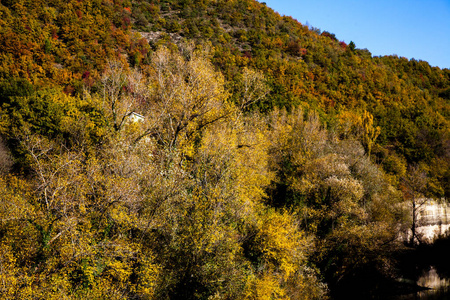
{"type": "Point", "coordinates": [271, 160]}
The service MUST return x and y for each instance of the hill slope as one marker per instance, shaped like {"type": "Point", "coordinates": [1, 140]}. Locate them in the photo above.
{"type": "Point", "coordinates": [67, 44]}
{"type": "Point", "coordinates": [271, 160]}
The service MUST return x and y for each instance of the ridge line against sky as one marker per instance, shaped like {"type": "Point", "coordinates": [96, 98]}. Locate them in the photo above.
{"type": "Point", "coordinates": [418, 29]}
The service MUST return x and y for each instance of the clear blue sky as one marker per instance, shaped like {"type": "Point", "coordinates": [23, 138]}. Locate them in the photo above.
{"type": "Point", "coordinates": [417, 29]}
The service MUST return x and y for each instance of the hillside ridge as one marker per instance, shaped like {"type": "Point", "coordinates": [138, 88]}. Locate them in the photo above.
{"type": "Point", "coordinates": [272, 160]}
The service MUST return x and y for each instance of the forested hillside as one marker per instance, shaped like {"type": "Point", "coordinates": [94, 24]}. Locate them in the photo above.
{"type": "Point", "coordinates": [271, 160]}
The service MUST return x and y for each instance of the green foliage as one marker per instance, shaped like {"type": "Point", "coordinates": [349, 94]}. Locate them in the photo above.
{"type": "Point", "coordinates": [337, 194]}
{"type": "Point", "coordinates": [270, 154]}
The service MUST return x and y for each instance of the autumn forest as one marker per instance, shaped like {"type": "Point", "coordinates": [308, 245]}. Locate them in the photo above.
{"type": "Point", "coordinates": [206, 149]}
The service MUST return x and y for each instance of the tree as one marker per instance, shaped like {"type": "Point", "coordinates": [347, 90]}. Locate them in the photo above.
{"type": "Point", "coordinates": [352, 46]}
{"type": "Point", "coordinates": [337, 193]}
{"type": "Point", "coordinates": [123, 90]}
{"type": "Point", "coordinates": [369, 132]}
{"type": "Point", "coordinates": [253, 88]}
{"type": "Point", "coordinates": [187, 96]}
{"type": "Point", "coordinates": [413, 185]}
{"type": "Point", "coordinates": [5, 158]}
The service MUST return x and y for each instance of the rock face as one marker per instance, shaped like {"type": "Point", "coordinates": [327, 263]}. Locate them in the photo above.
{"type": "Point", "coordinates": [433, 220]}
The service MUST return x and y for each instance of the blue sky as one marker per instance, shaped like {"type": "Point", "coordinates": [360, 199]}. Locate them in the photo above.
{"type": "Point", "coordinates": [417, 29]}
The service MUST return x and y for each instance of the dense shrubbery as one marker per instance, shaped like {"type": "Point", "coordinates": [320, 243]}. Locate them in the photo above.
{"type": "Point", "coordinates": [270, 163]}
